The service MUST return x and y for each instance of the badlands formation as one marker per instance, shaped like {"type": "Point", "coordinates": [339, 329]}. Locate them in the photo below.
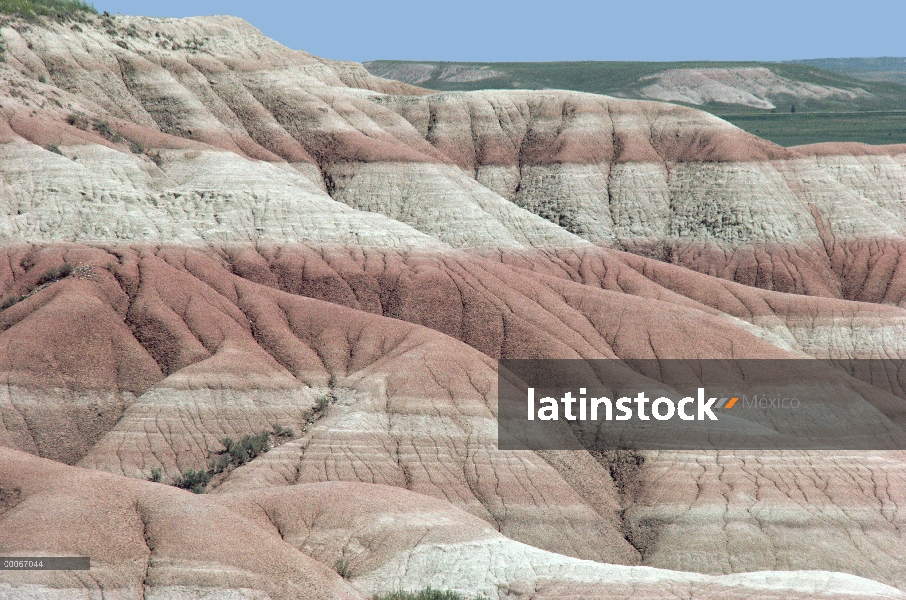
{"type": "Point", "coordinates": [206, 234]}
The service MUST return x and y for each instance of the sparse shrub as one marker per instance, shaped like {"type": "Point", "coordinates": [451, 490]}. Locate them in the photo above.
{"type": "Point", "coordinates": [78, 120]}
{"type": "Point", "coordinates": [136, 147]}
{"type": "Point", "coordinates": [243, 451]}
{"type": "Point", "coordinates": [107, 132]}
{"type": "Point", "coordinates": [343, 568]}
{"type": "Point", "coordinates": [323, 402]}
{"type": "Point", "coordinates": [57, 9]}
{"type": "Point", "coordinates": [155, 475]}
{"type": "Point", "coordinates": [194, 481]}
{"type": "Point", "coordinates": [42, 79]}
{"type": "Point", "coordinates": [428, 593]}
{"type": "Point", "coordinates": [220, 464]}
{"type": "Point", "coordinates": [54, 148]}
{"type": "Point", "coordinates": [194, 44]}
{"type": "Point", "coordinates": [54, 274]}
{"type": "Point", "coordinates": [156, 159]}
{"type": "Point", "coordinates": [253, 445]}
{"type": "Point", "coordinates": [9, 302]}
{"type": "Point", "coordinates": [235, 454]}
{"type": "Point", "coordinates": [281, 432]}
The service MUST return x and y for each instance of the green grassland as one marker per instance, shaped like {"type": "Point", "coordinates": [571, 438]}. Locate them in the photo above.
{"type": "Point", "coordinates": [809, 128]}
{"type": "Point", "coordinates": [885, 68]}
{"type": "Point", "coordinates": [877, 119]}
{"type": "Point", "coordinates": [31, 9]}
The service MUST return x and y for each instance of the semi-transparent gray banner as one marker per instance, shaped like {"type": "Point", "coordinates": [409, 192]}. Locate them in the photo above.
{"type": "Point", "coordinates": [743, 404]}
{"type": "Point", "coordinates": [45, 563]}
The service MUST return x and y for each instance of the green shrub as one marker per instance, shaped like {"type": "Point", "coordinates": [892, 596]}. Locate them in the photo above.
{"type": "Point", "coordinates": [428, 593]}
{"type": "Point", "coordinates": [280, 432]}
{"type": "Point", "coordinates": [343, 568]}
{"type": "Point", "coordinates": [78, 120]}
{"type": "Point", "coordinates": [48, 276]}
{"type": "Point", "coordinates": [253, 445]}
{"type": "Point", "coordinates": [243, 451]}
{"type": "Point", "coordinates": [136, 148]}
{"type": "Point", "coordinates": [155, 475]}
{"type": "Point", "coordinates": [105, 130]}
{"type": "Point", "coordinates": [194, 481]}
{"type": "Point", "coordinates": [235, 454]}
{"type": "Point", "coordinates": [54, 148]}
{"type": "Point", "coordinates": [42, 79]}
{"type": "Point", "coordinates": [54, 274]}
{"type": "Point", "coordinates": [60, 9]}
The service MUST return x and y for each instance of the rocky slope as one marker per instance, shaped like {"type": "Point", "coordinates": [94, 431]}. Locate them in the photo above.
{"type": "Point", "coordinates": [757, 87]}
{"type": "Point", "coordinates": [206, 234]}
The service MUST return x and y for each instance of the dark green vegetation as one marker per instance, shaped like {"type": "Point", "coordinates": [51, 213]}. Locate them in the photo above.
{"type": "Point", "coordinates": [626, 79]}
{"type": "Point", "coordinates": [878, 117]}
{"type": "Point", "coordinates": [235, 454]}
{"type": "Point", "coordinates": [105, 130]}
{"type": "Point", "coordinates": [244, 451]}
{"type": "Point", "coordinates": [102, 127]}
{"type": "Point", "coordinates": [425, 594]}
{"type": "Point", "coordinates": [883, 127]}
{"type": "Point", "coordinates": [31, 9]}
{"type": "Point", "coordinates": [194, 481]}
{"type": "Point", "coordinates": [52, 275]}
{"type": "Point", "coordinates": [343, 568]}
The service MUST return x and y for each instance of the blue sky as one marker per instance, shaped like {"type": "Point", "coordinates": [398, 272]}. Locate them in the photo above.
{"type": "Point", "coordinates": [469, 30]}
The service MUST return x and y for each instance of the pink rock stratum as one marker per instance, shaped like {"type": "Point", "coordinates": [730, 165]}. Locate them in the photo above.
{"type": "Point", "coordinates": [252, 229]}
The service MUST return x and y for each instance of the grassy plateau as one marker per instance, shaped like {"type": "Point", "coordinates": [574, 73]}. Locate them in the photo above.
{"type": "Point", "coordinates": [876, 116]}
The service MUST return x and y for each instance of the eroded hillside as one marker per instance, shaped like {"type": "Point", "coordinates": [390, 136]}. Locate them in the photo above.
{"type": "Point", "coordinates": [207, 235]}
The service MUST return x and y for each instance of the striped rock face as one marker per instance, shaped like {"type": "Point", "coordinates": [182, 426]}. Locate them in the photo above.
{"type": "Point", "coordinates": [204, 235]}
